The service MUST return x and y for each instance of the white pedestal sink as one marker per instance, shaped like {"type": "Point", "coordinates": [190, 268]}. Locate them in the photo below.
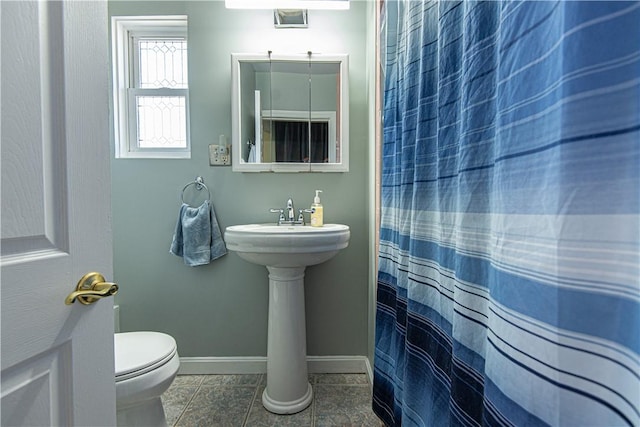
{"type": "Point", "coordinates": [286, 251]}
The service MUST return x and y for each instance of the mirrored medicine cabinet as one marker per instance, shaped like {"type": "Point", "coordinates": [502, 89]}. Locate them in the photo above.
{"type": "Point", "coordinates": [290, 113]}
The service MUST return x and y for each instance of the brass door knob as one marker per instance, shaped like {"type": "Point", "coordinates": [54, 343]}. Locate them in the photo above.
{"type": "Point", "coordinates": [91, 288]}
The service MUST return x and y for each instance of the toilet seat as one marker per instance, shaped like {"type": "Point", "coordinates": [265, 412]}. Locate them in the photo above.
{"type": "Point", "coordinates": [137, 353]}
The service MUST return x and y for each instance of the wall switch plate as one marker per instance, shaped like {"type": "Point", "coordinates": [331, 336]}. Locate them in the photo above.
{"type": "Point", "coordinates": [219, 155]}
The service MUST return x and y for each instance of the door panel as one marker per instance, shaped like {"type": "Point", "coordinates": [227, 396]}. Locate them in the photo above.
{"type": "Point", "coordinates": [33, 117]}
{"type": "Point", "coordinates": [57, 360]}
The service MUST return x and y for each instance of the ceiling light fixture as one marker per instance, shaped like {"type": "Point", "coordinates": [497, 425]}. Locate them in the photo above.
{"type": "Point", "coordinates": [287, 4]}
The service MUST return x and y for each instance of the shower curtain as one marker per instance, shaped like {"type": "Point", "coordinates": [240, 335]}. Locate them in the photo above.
{"type": "Point", "coordinates": [509, 280]}
{"type": "Point", "coordinates": [293, 143]}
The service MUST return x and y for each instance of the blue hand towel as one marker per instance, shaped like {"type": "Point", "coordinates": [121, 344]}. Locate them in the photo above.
{"type": "Point", "coordinates": [197, 238]}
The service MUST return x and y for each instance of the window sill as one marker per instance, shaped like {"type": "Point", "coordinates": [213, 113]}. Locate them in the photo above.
{"type": "Point", "coordinates": [154, 155]}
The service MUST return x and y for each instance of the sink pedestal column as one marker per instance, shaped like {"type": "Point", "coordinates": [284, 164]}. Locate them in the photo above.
{"type": "Point", "coordinates": [288, 390]}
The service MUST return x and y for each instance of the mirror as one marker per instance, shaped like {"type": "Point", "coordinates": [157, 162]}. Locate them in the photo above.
{"type": "Point", "coordinates": [290, 113]}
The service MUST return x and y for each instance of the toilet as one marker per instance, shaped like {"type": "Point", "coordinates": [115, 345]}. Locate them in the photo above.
{"type": "Point", "coordinates": [146, 364]}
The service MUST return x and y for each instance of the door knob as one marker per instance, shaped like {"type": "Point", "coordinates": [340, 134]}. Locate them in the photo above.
{"type": "Point", "coordinates": [91, 288]}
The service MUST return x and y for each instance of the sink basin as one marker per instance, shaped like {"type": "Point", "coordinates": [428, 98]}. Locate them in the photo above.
{"type": "Point", "coordinates": [286, 246]}
{"type": "Point", "coordinates": [286, 251]}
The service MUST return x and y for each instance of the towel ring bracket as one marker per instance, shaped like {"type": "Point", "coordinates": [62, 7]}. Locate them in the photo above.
{"type": "Point", "coordinates": [199, 184]}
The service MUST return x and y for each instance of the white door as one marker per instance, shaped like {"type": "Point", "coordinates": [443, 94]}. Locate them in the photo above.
{"type": "Point", "coordinates": [57, 360]}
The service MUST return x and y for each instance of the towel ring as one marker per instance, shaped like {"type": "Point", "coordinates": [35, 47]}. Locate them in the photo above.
{"type": "Point", "coordinates": [199, 183]}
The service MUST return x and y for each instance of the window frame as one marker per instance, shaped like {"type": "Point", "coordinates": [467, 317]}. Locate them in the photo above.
{"type": "Point", "coordinates": [126, 29]}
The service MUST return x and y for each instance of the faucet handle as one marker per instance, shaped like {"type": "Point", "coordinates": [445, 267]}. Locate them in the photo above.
{"type": "Point", "coordinates": [301, 215]}
{"type": "Point", "coordinates": [280, 211]}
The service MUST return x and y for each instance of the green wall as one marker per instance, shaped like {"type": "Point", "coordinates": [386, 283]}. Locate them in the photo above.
{"type": "Point", "coordinates": [221, 309]}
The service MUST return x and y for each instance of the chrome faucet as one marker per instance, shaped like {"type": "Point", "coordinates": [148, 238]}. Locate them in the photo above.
{"type": "Point", "coordinates": [290, 211]}
{"type": "Point", "coordinates": [290, 217]}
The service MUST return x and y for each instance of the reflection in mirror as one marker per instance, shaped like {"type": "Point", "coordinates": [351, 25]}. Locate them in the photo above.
{"type": "Point", "coordinates": [285, 137]}
{"type": "Point", "coordinates": [290, 113]}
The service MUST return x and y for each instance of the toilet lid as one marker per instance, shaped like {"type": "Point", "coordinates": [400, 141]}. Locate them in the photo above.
{"type": "Point", "coordinates": [139, 352]}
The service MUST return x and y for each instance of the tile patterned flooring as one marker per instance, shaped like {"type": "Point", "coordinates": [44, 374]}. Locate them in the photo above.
{"type": "Point", "coordinates": [236, 400]}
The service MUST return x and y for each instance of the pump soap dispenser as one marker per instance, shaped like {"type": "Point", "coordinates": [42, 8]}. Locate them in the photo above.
{"type": "Point", "coordinates": [316, 211]}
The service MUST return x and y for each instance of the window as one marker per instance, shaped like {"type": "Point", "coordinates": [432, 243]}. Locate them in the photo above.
{"type": "Point", "coordinates": [150, 87]}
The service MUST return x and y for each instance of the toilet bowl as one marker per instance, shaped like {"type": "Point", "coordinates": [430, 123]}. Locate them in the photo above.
{"type": "Point", "coordinates": [146, 364]}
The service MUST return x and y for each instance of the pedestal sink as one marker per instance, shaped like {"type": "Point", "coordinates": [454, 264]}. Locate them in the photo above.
{"type": "Point", "coordinates": [286, 251]}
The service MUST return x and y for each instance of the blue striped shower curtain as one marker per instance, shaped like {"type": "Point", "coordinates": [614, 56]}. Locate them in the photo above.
{"type": "Point", "coordinates": [509, 279]}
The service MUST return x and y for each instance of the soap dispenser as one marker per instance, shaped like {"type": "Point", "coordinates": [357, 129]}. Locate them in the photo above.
{"type": "Point", "coordinates": [316, 211]}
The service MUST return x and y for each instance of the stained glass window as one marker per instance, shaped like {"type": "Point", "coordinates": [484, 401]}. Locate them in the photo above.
{"type": "Point", "coordinates": [151, 90]}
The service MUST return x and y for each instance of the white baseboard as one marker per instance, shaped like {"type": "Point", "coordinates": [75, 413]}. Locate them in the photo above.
{"type": "Point", "coordinates": [222, 365]}
{"type": "Point", "coordinates": [336, 364]}
{"type": "Point", "coordinates": [369, 370]}
{"type": "Point", "coordinates": [258, 365]}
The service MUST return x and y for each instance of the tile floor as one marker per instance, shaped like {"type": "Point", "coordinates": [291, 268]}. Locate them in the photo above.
{"type": "Point", "coordinates": [236, 400]}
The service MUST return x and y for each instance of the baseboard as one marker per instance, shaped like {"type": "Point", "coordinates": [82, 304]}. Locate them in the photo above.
{"type": "Point", "coordinates": [336, 364]}
{"type": "Point", "coordinates": [258, 365]}
{"type": "Point", "coordinates": [369, 370]}
{"type": "Point", "coordinates": [222, 365]}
